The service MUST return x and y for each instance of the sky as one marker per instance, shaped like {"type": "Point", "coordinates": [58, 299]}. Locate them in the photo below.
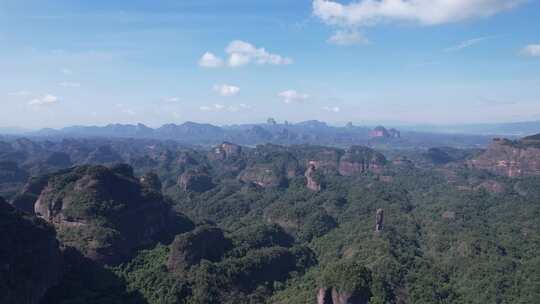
{"type": "Point", "coordinates": [72, 62]}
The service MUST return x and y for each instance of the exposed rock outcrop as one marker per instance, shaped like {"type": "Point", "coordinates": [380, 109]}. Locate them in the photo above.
{"type": "Point", "coordinates": [151, 181]}
{"type": "Point", "coordinates": [26, 199]}
{"type": "Point", "coordinates": [264, 175]}
{"type": "Point", "coordinates": [346, 282]}
{"type": "Point", "coordinates": [313, 178]}
{"type": "Point", "coordinates": [382, 132]}
{"type": "Point", "coordinates": [511, 158]}
{"type": "Point", "coordinates": [325, 160]}
{"type": "Point", "coordinates": [106, 213]}
{"type": "Point", "coordinates": [379, 220]}
{"type": "Point", "coordinates": [196, 181]}
{"type": "Point", "coordinates": [359, 160]}
{"type": "Point", "coordinates": [225, 151]}
{"type": "Point", "coordinates": [30, 258]}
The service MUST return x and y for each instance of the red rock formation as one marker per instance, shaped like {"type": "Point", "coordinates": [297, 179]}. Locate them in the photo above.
{"type": "Point", "coordinates": [225, 151]}
{"type": "Point", "coordinates": [359, 160]}
{"type": "Point", "coordinates": [512, 159]}
{"type": "Point", "coordinates": [196, 181]}
{"type": "Point", "coordinates": [379, 221]}
{"type": "Point", "coordinates": [313, 182]}
{"type": "Point", "coordinates": [264, 175]}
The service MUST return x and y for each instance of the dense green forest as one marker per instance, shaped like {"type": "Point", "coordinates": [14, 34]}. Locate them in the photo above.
{"type": "Point", "coordinates": [252, 231]}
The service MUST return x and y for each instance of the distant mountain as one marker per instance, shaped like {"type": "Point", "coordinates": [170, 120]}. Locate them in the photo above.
{"type": "Point", "coordinates": [307, 132]}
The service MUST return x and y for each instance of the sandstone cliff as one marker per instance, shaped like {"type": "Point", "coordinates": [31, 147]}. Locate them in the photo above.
{"type": "Point", "coordinates": [359, 159]}
{"type": "Point", "coordinates": [106, 213]}
{"type": "Point", "coordinates": [511, 158]}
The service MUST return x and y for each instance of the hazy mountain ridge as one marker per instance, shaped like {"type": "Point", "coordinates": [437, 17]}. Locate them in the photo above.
{"type": "Point", "coordinates": [308, 132]}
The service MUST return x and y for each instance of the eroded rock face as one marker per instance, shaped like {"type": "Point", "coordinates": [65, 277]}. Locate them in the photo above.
{"type": "Point", "coordinates": [334, 296]}
{"type": "Point", "coordinates": [313, 179]}
{"type": "Point", "coordinates": [512, 159]}
{"type": "Point", "coordinates": [225, 151]}
{"type": "Point", "coordinates": [382, 132]}
{"type": "Point", "coordinates": [326, 160]}
{"type": "Point", "coordinates": [30, 258]}
{"type": "Point", "coordinates": [190, 248]}
{"type": "Point", "coordinates": [25, 200]}
{"type": "Point", "coordinates": [106, 213]}
{"type": "Point", "coordinates": [195, 181]}
{"type": "Point", "coordinates": [359, 160]}
{"type": "Point", "coordinates": [379, 220]}
{"type": "Point", "coordinates": [263, 175]}
{"type": "Point", "coordinates": [151, 181]}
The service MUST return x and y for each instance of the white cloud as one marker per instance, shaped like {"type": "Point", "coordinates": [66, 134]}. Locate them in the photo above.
{"type": "Point", "coordinates": [226, 90]}
{"type": "Point", "coordinates": [426, 12]}
{"type": "Point", "coordinates": [241, 53]}
{"type": "Point", "coordinates": [215, 107]}
{"type": "Point", "coordinates": [209, 60]}
{"type": "Point", "coordinates": [67, 71]}
{"type": "Point", "coordinates": [532, 50]}
{"type": "Point", "coordinates": [291, 96]}
{"type": "Point", "coordinates": [465, 44]}
{"type": "Point", "coordinates": [347, 37]}
{"type": "Point", "coordinates": [67, 84]}
{"type": "Point", "coordinates": [219, 107]}
{"type": "Point", "coordinates": [45, 100]}
{"type": "Point", "coordinates": [332, 109]}
{"type": "Point", "coordinates": [172, 99]}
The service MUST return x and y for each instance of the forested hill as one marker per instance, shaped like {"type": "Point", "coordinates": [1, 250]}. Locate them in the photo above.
{"type": "Point", "coordinates": [269, 224]}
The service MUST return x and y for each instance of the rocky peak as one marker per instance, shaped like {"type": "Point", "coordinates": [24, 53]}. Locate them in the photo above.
{"type": "Point", "coordinates": [382, 132]}
{"type": "Point", "coordinates": [379, 220]}
{"type": "Point", "coordinates": [195, 180]}
{"type": "Point", "coordinates": [151, 181]}
{"type": "Point", "coordinates": [313, 179]}
{"type": "Point", "coordinates": [104, 212]}
{"type": "Point", "coordinates": [359, 160]}
{"type": "Point", "coordinates": [225, 151]}
{"type": "Point", "coordinates": [510, 158]}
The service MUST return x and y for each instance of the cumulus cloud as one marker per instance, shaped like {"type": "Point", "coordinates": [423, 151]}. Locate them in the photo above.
{"type": "Point", "coordinates": [426, 12]}
{"type": "Point", "coordinates": [215, 107]}
{"type": "Point", "coordinates": [332, 109]}
{"type": "Point", "coordinates": [241, 53]}
{"type": "Point", "coordinates": [219, 107]}
{"type": "Point", "coordinates": [347, 37]}
{"type": "Point", "coordinates": [45, 100]}
{"type": "Point", "coordinates": [209, 60]}
{"type": "Point", "coordinates": [67, 84]}
{"type": "Point", "coordinates": [465, 44]}
{"type": "Point", "coordinates": [532, 50]}
{"type": "Point", "coordinates": [292, 96]}
{"type": "Point", "coordinates": [172, 99]}
{"type": "Point", "coordinates": [226, 90]}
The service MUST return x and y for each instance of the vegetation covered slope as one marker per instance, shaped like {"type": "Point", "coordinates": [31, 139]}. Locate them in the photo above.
{"type": "Point", "coordinates": [450, 234]}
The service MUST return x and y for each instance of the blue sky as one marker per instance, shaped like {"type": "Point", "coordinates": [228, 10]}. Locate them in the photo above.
{"type": "Point", "coordinates": [397, 61]}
